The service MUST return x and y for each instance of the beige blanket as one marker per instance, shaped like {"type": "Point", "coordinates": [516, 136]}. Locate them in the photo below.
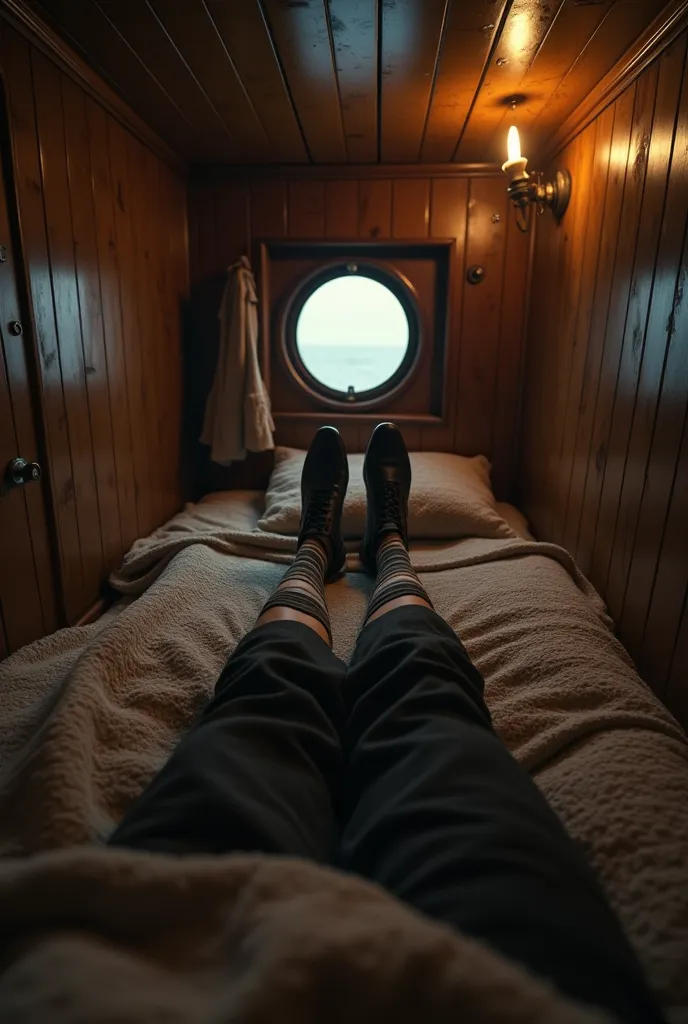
{"type": "Point", "coordinates": [90, 714]}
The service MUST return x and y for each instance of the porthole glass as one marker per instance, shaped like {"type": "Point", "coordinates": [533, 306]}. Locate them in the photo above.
{"type": "Point", "coordinates": [353, 334]}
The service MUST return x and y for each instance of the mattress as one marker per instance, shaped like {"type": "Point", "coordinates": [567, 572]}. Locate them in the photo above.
{"type": "Point", "coordinates": [92, 712]}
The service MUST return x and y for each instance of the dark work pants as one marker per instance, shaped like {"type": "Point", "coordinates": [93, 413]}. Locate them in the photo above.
{"type": "Point", "coordinates": [390, 769]}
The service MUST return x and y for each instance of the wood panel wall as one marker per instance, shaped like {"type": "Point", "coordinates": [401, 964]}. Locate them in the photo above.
{"type": "Point", "coordinates": [231, 216]}
{"type": "Point", "coordinates": [605, 439]}
{"type": "Point", "coordinates": [103, 224]}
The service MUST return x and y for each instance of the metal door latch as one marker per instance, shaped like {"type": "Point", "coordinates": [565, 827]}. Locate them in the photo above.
{"type": "Point", "coordinates": [19, 472]}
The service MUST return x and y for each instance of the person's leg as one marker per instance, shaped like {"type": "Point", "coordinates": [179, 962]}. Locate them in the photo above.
{"type": "Point", "coordinates": [440, 814]}
{"type": "Point", "coordinates": [261, 768]}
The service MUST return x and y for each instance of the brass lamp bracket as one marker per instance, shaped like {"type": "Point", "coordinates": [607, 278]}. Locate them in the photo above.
{"type": "Point", "coordinates": [527, 192]}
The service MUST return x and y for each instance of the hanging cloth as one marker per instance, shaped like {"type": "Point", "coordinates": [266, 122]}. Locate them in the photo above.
{"type": "Point", "coordinates": [237, 412]}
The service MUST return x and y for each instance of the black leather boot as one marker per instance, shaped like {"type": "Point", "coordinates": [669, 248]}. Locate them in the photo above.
{"type": "Point", "coordinates": [324, 481]}
{"type": "Point", "coordinates": [387, 476]}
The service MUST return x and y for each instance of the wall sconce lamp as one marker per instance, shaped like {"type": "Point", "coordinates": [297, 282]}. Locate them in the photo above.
{"type": "Point", "coordinates": [525, 193]}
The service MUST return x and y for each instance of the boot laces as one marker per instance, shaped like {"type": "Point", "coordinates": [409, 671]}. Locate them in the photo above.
{"type": "Point", "coordinates": [391, 502]}
{"type": "Point", "coordinates": [315, 518]}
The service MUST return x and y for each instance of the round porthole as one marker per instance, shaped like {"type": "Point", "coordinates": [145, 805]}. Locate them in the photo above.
{"type": "Point", "coordinates": [352, 333]}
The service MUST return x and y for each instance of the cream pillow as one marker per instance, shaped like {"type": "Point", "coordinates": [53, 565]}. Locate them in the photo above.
{"type": "Point", "coordinates": [451, 497]}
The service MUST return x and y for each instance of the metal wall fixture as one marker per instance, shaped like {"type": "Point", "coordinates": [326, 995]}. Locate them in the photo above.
{"type": "Point", "coordinates": [526, 192]}
{"type": "Point", "coordinates": [19, 472]}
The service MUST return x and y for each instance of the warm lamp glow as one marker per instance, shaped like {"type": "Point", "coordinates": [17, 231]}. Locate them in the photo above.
{"type": "Point", "coordinates": [525, 193]}
{"type": "Point", "coordinates": [515, 165]}
{"type": "Point", "coordinates": [513, 144]}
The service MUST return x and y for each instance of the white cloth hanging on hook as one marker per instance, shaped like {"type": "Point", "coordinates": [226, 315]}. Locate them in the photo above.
{"type": "Point", "coordinates": [238, 417]}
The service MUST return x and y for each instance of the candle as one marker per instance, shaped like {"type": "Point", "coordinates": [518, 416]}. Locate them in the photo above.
{"type": "Point", "coordinates": [515, 165]}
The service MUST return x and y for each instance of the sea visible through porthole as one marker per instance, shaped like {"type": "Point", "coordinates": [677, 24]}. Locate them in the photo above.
{"type": "Point", "coordinates": [360, 366]}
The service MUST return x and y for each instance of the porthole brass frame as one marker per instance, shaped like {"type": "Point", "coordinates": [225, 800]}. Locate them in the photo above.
{"type": "Point", "coordinates": [402, 290]}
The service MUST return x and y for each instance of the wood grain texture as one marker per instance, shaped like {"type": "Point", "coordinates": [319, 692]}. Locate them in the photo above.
{"type": "Point", "coordinates": [87, 275]}
{"type": "Point", "coordinates": [523, 37]}
{"type": "Point", "coordinates": [573, 495]}
{"type": "Point", "coordinates": [616, 316]}
{"type": "Point", "coordinates": [341, 209]}
{"type": "Point", "coordinates": [580, 315]}
{"type": "Point", "coordinates": [613, 34]}
{"type": "Point", "coordinates": [609, 479]}
{"type": "Point", "coordinates": [375, 208]}
{"type": "Point", "coordinates": [104, 245]}
{"type": "Point", "coordinates": [302, 36]}
{"type": "Point", "coordinates": [16, 64]}
{"type": "Point", "coordinates": [140, 26]}
{"type": "Point", "coordinates": [306, 209]}
{"type": "Point", "coordinates": [410, 208]}
{"type": "Point", "coordinates": [357, 81]}
{"type": "Point", "coordinates": [246, 37]}
{"type": "Point", "coordinates": [111, 319]}
{"type": "Point", "coordinates": [132, 292]}
{"type": "Point", "coordinates": [65, 299]}
{"type": "Point", "coordinates": [21, 434]}
{"type": "Point", "coordinates": [483, 356]}
{"type": "Point", "coordinates": [469, 35]}
{"type": "Point", "coordinates": [410, 45]}
{"type": "Point", "coordinates": [201, 48]}
{"type": "Point", "coordinates": [354, 34]}
{"type": "Point", "coordinates": [478, 363]}
{"type": "Point", "coordinates": [638, 32]}
{"type": "Point", "coordinates": [617, 467]}
{"type": "Point", "coordinates": [448, 218]}
{"type": "Point", "coordinates": [555, 361]}
{"type": "Point", "coordinates": [20, 601]}
{"type": "Point", "coordinates": [39, 27]}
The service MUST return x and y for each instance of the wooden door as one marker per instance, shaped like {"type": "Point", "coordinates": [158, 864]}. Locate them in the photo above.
{"type": "Point", "coordinates": [28, 607]}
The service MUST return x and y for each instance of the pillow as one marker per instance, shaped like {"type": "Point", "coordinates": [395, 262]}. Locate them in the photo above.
{"type": "Point", "coordinates": [451, 497]}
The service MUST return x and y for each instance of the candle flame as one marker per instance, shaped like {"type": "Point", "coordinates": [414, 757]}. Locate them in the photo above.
{"type": "Point", "coordinates": [513, 144]}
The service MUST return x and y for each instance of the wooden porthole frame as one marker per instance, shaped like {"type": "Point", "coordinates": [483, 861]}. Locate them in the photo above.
{"type": "Point", "coordinates": [420, 271]}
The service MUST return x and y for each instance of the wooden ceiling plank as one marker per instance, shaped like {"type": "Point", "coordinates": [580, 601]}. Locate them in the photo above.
{"type": "Point", "coordinates": [246, 38]}
{"type": "Point", "coordinates": [301, 35]}
{"type": "Point", "coordinates": [354, 30]}
{"type": "Point", "coordinates": [523, 33]}
{"type": "Point", "coordinates": [328, 82]}
{"type": "Point", "coordinates": [140, 27]}
{"type": "Point", "coordinates": [85, 27]}
{"type": "Point", "coordinates": [623, 25]}
{"type": "Point", "coordinates": [568, 36]}
{"type": "Point", "coordinates": [468, 38]}
{"type": "Point", "coordinates": [411, 41]}
{"type": "Point", "coordinates": [197, 40]}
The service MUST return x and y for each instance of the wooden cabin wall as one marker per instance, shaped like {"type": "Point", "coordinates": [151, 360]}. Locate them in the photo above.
{"type": "Point", "coordinates": [605, 435]}
{"type": "Point", "coordinates": [103, 225]}
{"type": "Point", "coordinates": [229, 217]}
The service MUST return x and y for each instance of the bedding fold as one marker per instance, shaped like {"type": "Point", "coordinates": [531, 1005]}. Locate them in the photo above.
{"type": "Point", "coordinates": [230, 527]}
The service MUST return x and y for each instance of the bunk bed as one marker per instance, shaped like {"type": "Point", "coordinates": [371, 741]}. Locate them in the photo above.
{"type": "Point", "coordinates": [92, 712]}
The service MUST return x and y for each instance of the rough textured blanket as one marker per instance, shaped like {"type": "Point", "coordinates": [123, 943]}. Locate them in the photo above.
{"type": "Point", "coordinates": [89, 714]}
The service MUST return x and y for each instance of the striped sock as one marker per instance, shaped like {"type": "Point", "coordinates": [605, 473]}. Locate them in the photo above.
{"type": "Point", "coordinates": [303, 585]}
{"type": "Point", "coordinates": [395, 577]}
